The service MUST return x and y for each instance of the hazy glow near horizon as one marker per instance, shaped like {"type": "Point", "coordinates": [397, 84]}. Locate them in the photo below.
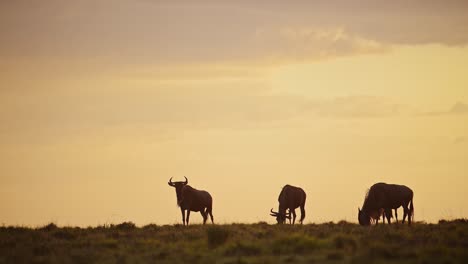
{"type": "Point", "coordinates": [102, 102]}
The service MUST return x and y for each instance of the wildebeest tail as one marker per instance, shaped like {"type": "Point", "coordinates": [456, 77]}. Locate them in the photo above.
{"type": "Point", "coordinates": [209, 210]}
{"type": "Point", "coordinates": [411, 210]}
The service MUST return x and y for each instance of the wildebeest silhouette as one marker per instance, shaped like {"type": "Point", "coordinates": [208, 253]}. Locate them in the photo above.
{"type": "Point", "coordinates": [190, 199]}
{"type": "Point", "coordinates": [290, 198]}
{"type": "Point", "coordinates": [383, 197]}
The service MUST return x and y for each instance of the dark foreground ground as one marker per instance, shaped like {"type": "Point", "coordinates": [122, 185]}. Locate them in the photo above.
{"type": "Point", "coordinates": [446, 242]}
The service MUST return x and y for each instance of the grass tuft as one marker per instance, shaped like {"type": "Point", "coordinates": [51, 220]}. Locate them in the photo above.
{"type": "Point", "coordinates": [217, 235]}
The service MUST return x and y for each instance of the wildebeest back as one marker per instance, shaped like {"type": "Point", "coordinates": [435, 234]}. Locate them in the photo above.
{"type": "Point", "coordinates": [195, 200]}
{"type": "Point", "coordinates": [382, 195]}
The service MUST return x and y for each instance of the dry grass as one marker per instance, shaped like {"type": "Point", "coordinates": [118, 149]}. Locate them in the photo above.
{"type": "Point", "coordinates": [445, 242]}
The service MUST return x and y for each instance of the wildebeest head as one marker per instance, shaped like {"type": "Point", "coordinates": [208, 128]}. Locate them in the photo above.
{"type": "Point", "coordinates": [363, 218]}
{"type": "Point", "coordinates": [178, 186]}
{"type": "Point", "coordinates": [280, 217]}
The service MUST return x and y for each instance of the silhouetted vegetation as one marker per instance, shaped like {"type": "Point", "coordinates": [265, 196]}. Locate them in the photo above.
{"type": "Point", "coordinates": [445, 242]}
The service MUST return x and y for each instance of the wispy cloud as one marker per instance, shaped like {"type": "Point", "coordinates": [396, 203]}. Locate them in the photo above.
{"type": "Point", "coordinates": [356, 106]}
{"type": "Point", "coordinates": [459, 140]}
{"type": "Point", "coordinates": [306, 44]}
{"type": "Point", "coordinates": [459, 108]}
{"type": "Point", "coordinates": [170, 110]}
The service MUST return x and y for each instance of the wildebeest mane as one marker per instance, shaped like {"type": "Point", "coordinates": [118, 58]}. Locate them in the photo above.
{"type": "Point", "coordinates": [185, 189]}
{"type": "Point", "coordinates": [366, 199]}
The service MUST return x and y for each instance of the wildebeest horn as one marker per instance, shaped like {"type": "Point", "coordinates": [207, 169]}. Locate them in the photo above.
{"type": "Point", "coordinates": [186, 180]}
{"type": "Point", "coordinates": [170, 182]}
{"type": "Point", "coordinates": [273, 213]}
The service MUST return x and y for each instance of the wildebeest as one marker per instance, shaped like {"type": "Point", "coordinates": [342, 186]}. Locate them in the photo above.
{"type": "Point", "coordinates": [190, 199]}
{"type": "Point", "coordinates": [290, 198]}
{"type": "Point", "coordinates": [382, 196]}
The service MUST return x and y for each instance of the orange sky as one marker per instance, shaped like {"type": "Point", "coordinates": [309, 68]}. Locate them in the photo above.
{"type": "Point", "coordinates": [101, 102]}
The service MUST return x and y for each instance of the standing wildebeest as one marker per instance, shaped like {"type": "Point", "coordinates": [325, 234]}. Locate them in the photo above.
{"type": "Point", "coordinates": [387, 197]}
{"type": "Point", "coordinates": [191, 199]}
{"type": "Point", "coordinates": [290, 198]}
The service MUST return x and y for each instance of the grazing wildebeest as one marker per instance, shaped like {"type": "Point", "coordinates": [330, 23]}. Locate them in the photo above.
{"type": "Point", "coordinates": [290, 198]}
{"type": "Point", "coordinates": [190, 199]}
{"type": "Point", "coordinates": [383, 197]}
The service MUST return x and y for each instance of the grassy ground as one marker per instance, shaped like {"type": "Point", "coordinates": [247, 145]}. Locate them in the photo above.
{"type": "Point", "coordinates": [446, 242]}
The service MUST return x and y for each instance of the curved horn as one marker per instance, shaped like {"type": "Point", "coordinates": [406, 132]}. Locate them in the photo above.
{"type": "Point", "coordinates": [273, 213]}
{"type": "Point", "coordinates": [186, 181]}
{"type": "Point", "coordinates": [170, 182]}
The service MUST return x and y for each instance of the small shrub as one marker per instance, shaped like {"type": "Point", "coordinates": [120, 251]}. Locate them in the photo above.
{"type": "Point", "coordinates": [49, 227]}
{"type": "Point", "coordinates": [344, 223]}
{"type": "Point", "coordinates": [153, 227]}
{"type": "Point", "coordinates": [126, 226]}
{"type": "Point", "coordinates": [216, 235]}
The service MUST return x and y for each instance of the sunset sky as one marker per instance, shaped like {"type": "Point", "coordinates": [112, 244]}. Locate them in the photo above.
{"type": "Point", "coordinates": [101, 102]}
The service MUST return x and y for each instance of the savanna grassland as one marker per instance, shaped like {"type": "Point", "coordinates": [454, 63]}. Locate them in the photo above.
{"type": "Point", "coordinates": [445, 242]}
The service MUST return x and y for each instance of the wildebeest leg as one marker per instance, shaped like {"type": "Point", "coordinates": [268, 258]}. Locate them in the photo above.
{"type": "Point", "coordinates": [183, 216]}
{"type": "Point", "coordinates": [188, 216]}
{"type": "Point", "coordinates": [396, 216]}
{"type": "Point", "coordinates": [388, 215]}
{"type": "Point", "coordinates": [411, 212]}
{"type": "Point", "coordinates": [294, 215]}
{"type": "Point", "coordinates": [203, 213]}
{"type": "Point", "coordinates": [405, 212]}
{"type": "Point", "coordinates": [302, 214]}
{"type": "Point", "coordinates": [209, 211]}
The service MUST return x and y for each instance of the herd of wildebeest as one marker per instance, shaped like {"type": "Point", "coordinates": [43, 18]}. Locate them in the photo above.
{"type": "Point", "coordinates": [379, 201]}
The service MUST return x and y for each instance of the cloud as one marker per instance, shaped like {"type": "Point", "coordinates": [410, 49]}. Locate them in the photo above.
{"type": "Point", "coordinates": [459, 108]}
{"type": "Point", "coordinates": [163, 32]}
{"type": "Point", "coordinates": [159, 112]}
{"type": "Point", "coordinates": [459, 140]}
{"type": "Point", "coordinates": [356, 107]}
{"type": "Point", "coordinates": [305, 44]}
